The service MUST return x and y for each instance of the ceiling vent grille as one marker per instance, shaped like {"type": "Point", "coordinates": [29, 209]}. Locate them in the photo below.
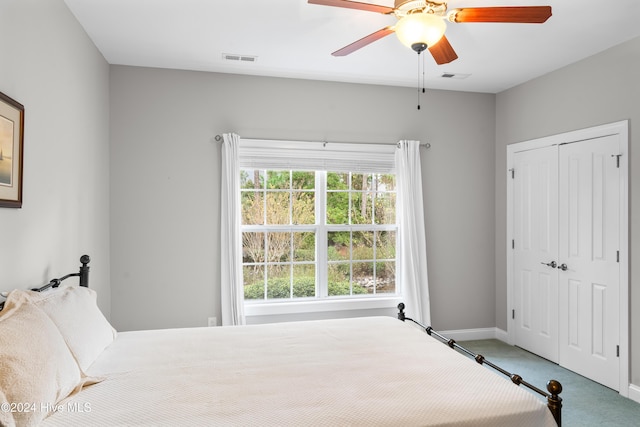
{"type": "Point", "coordinates": [458, 76]}
{"type": "Point", "coordinates": [239, 58]}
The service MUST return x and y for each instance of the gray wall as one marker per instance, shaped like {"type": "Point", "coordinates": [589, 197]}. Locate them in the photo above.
{"type": "Point", "coordinates": [165, 179]}
{"type": "Point", "coordinates": [601, 89]}
{"type": "Point", "coordinates": [48, 64]}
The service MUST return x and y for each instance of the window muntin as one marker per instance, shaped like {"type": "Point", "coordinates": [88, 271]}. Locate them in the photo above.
{"type": "Point", "coordinates": [314, 235]}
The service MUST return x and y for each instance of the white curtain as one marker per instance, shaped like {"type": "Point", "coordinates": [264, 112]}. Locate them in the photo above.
{"type": "Point", "coordinates": [412, 259]}
{"type": "Point", "coordinates": [232, 297]}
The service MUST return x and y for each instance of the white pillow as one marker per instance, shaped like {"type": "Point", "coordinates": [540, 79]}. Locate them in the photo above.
{"type": "Point", "coordinates": [36, 368]}
{"type": "Point", "coordinates": [75, 312]}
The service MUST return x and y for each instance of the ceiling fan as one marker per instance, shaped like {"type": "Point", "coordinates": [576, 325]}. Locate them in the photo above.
{"type": "Point", "coordinates": [421, 23]}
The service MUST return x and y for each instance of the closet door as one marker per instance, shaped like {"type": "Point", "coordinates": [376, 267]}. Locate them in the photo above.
{"type": "Point", "coordinates": [589, 272]}
{"type": "Point", "coordinates": [535, 246]}
{"type": "Point", "coordinates": [582, 305]}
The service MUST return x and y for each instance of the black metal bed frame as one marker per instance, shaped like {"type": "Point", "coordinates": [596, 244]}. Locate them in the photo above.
{"type": "Point", "coordinates": [554, 401]}
{"type": "Point", "coordinates": [83, 276]}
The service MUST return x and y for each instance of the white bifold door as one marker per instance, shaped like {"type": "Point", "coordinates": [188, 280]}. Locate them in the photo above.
{"type": "Point", "coordinates": [535, 248]}
{"type": "Point", "coordinates": [566, 249]}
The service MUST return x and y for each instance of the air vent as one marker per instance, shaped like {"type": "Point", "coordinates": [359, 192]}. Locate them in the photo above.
{"type": "Point", "coordinates": [458, 76]}
{"type": "Point", "coordinates": [239, 58]}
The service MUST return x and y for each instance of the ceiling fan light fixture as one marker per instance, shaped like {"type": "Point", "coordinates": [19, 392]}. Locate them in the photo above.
{"type": "Point", "coordinates": [420, 31]}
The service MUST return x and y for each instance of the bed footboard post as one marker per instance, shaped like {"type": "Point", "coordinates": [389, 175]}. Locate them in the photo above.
{"type": "Point", "coordinates": [84, 270]}
{"type": "Point", "coordinates": [554, 402]}
{"type": "Point", "coordinates": [401, 315]}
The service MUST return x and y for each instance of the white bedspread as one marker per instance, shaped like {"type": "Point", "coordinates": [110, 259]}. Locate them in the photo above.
{"type": "Point", "coordinates": [374, 371]}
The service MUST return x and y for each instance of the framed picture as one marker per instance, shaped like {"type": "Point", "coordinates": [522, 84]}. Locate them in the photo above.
{"type": "Point", "coordinates": [11, 150]}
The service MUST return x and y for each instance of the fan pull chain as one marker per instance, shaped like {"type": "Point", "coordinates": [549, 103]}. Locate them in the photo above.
{"type": "Point", "coordinates": [420, 73]}
{"type": "Point", "coordinates": [423, 86]}
{"type": "Point", "coordinates": [419, 80]}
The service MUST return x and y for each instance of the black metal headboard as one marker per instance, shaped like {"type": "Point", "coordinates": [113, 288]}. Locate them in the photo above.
{"type": "Point", "coordinates": [83, 276]}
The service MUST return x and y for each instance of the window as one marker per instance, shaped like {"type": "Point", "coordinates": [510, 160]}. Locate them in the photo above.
{"type": "Point", "coordinates": [317, 235]}
{"type": "Point", "coordinates": [367, 221]}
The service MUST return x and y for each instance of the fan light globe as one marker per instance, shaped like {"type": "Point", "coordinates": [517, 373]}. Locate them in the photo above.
{"type": "Point", "coordinates": [419, 31]}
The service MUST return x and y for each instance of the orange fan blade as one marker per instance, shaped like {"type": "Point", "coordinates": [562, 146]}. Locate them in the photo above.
{"type": "Point", "coordinates": [517, 14]}
{"type": "Point", "coordinates": [354, 5]}
{"type": "Point", "coordinates": [363, 42]}
{"type": "Point", "coordinates": [443, 52]}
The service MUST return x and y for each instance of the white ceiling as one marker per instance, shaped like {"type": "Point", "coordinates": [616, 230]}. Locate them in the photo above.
{"type": "Point", "coordinates": [291, 38]}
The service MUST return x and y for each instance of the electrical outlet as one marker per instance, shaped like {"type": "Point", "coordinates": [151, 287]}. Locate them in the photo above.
{"type": "Point", "coordinates": [213, 321]}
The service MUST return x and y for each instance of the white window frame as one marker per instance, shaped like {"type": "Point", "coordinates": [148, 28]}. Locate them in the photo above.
{"type": "Point", "coordinates": [321, 156]}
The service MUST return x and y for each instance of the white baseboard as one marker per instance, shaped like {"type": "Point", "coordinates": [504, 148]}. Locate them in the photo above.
{"type": "Point", "coordinates": [634, 392]}
{"type": "Point", "coordinates": [476, 334]}
{"type": "Point", "coordinates": [502, 335]}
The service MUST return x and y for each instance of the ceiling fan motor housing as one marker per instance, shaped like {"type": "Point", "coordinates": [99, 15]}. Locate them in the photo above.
{"type": "Point", "coordinates": [406, 7]}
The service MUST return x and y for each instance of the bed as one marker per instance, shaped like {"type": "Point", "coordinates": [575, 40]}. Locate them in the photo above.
{"type": "Point", "coordinates": [63, 364]}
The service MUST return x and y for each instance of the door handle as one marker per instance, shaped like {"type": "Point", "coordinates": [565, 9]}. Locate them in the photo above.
{"type": "Point", "coordinates": [563, 267]}
{"type": "Point", "coordinates": [551, 264]}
